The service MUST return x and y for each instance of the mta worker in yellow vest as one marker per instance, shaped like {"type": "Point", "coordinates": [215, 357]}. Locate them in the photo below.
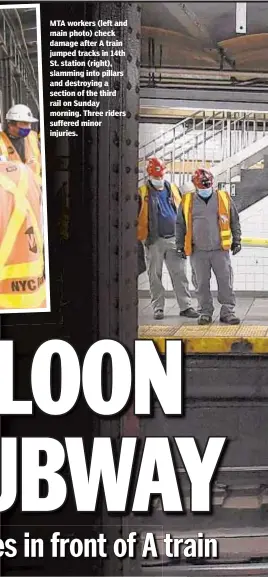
{"type": "Point", "coordinates": [22, 278]}
{"type": "Point", "coordinates": [207, 228]}
{"type": "Point", "coordinates": [19, 143]}
{"type": "Point", "coordinates": [158, 204]}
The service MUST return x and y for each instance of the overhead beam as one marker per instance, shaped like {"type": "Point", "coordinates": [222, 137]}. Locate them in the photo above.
{"type": "Point", "coordinates": [212, 105]}
{"type": "Point", "coordinates": [187, 93]}
{"type": "Point", "coordinates": [210, 99]}
{"type": "Point", "coordinates": [189, 20]}
{"type": "Point", "coordinates": [202, 73]}
{"type": "Point", "coordinates": [171, 115]}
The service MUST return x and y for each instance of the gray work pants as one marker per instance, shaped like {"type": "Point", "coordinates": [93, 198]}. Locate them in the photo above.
{"type": "Point", "coordinates": [194, 283]}
{"type": "Point", "coordinates": [219, 261]}
{"type": "Point", "coordinates": [164, 250]}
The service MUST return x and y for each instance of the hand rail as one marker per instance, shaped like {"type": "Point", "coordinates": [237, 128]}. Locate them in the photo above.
{"type": "Point", "coordinates": [227, 137]}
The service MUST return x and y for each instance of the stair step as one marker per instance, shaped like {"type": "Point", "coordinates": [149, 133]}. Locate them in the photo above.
{"type": "Point", "coordinates": [255, 174]}
{"type": "Point", "coordinates": [252, 188]}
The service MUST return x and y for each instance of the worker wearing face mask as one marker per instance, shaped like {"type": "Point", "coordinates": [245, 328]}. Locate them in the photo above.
{"type": "Point", "coordinates": [18, 142]}
{"type": "Point", "coordinates": [158, 204]}
{"type": "Point", "coordinates": [207, 228]}
{"type": "Point", "coordinates": [22, 272]}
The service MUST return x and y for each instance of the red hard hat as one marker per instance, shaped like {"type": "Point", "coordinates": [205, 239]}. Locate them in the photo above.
{"type": "Point", "coordinates": [156, 168]}
{"type": "Point", "coordinates": [202, 178]}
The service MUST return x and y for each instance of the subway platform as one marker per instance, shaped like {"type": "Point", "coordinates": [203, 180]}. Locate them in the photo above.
{"type": "Point", "coordinates": [251, 310]}
{"type": "Point", "coordinates": [250, 336]}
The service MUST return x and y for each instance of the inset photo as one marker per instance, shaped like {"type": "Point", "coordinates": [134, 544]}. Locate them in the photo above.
{"type": "Point", "coordinates": [24, 271]}
{"type": "Point", "coordinates": [203, 167]}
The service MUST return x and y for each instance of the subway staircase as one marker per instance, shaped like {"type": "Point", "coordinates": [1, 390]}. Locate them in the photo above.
{"type": "Point", "coordinates": [252, 186]}
{"type": "Point", "coordinates": [229, 143]}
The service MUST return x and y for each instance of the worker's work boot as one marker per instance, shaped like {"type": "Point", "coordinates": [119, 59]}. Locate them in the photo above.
{"type": "Point", "coordinates": [204, 320]}
{"type": "Point", "coordinates": [230, 319]}
{"type": "Point", "coordinates": [189, 313]}
{"type": "Point", "coordinates": [158, 314]}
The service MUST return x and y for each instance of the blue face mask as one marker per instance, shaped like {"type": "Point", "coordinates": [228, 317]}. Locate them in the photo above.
{"type": "Point", "coordinates": [159, 184]}
{"type": "Point", "coordinates": [24, 132]}
{"type": "Point", "coordinates": [205, 192]}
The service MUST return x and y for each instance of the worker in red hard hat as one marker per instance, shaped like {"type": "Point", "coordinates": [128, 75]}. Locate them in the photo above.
{"type": "Point", "coordinates": [158, 204]}
{"type": "Point", "coordinates": [207, 229]}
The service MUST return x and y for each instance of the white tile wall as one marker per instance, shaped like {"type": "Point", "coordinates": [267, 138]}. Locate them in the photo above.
{"type": "Point", "coordinates": [251, 265]}
{"type": "Point", "coordinates": [148, 132]}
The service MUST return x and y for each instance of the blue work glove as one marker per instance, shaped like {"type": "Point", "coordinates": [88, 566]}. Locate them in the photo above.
{"type": "Point", "coordinates": [235, 248]}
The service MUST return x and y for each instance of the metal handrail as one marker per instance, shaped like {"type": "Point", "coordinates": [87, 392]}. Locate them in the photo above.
{"type": "Point", "coordinates": [235, 134]}
{"type": "Point", "coordinates": [173, 130]}
{"type": "Point", "coordinates": [183, 121]}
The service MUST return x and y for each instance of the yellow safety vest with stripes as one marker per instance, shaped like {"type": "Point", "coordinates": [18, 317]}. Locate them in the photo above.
{"type": "Point", "coordinates": [143, 218]}
{"type": "Point", "coordinates": [224, 208]}
{"type": "Point", "coordinates": [32, 153]}
{"type": "Point", "coordinates": [22, 278]}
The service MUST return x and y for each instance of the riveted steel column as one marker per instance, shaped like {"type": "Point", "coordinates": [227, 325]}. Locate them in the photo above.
{"type": "Point", "coordinates": [72, 298]}
{"type": "Point", "coordinates": [113, 182]}
{"type": "Point", "coordinates": [117, 177]}
{"type": "Point", "coordinates": [92, 205]}
{"type": "Point", "coordinates": [129, 181]}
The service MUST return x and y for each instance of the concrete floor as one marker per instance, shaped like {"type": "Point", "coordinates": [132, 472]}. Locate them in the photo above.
{"type": "Point", "coordinates": [251, 311]}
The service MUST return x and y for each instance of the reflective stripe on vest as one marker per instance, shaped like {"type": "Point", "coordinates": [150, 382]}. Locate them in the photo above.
{"type": "Point", "coordinates": [187, 205]}
{"type": "Point", "coordinates": [3, 145]}
{"type": "Point", "coordinates": [143, 218]}
{"type": "Point", "coordinates": [142, 228]}
{"type": "Point", "coordinates": [224, 206]}
{"type": "Point", "coordinates": [32, 153]}
{"type": "Point", "coordinates": [224, 219]}
{"type": "Point", "coordinates": [36, 167]}
{"type": "Point", "coordinates": [36, 300]}
{"type": "Point", "coordinates": [22, 272]}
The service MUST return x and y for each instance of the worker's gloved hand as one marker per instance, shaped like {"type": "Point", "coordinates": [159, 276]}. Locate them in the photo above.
{"type": "Point", "coordinates": [235, 248]}
{"type": "Point", "coordinates": [180, 252]}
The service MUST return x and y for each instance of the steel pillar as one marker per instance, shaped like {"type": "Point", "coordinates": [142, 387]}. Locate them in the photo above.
{"type": "Point", "coordinates": [113, 186]}
{"type": "Point", "coordinates": [92, 205]}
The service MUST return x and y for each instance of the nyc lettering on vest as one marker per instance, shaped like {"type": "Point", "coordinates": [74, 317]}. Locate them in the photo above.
{"type": "Point", "coordinates": [31, 284]}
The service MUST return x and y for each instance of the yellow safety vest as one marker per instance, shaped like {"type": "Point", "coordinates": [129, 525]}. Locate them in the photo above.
{"type": "Point", "coordinates": [224, 207]}
{"type": "Point", "coordinates": [32, 153]}
{"type": "Point", "coordinates": [143, 218]}
{"type": "Point", "coordinates": [22, 282]}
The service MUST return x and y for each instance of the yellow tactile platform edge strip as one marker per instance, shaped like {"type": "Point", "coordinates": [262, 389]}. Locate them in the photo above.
{"type": "Point", "coordinates": [212, 339]}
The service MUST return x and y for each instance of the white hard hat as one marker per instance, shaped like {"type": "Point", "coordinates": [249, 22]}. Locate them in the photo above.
{"type": "Point", "coordinates": [20, 113]}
